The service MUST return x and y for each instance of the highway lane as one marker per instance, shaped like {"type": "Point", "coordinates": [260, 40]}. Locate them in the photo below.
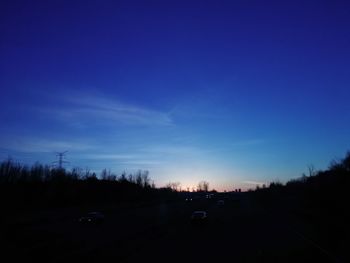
{"type": "Point", "coordinates": [233, 233]}
{"type": "Point", "coordinates": [237, 231]}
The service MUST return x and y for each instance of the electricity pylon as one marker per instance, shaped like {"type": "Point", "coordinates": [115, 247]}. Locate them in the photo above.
{"type": "Point", "coordinates": [60, 161]}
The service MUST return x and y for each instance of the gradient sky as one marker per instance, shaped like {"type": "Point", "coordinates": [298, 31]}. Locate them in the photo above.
{"type": "Point", "coordinates": [233, 92]}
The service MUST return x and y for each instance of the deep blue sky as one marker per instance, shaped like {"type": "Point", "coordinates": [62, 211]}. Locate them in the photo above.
{"type": "Point", "coordinates": [232, 92]}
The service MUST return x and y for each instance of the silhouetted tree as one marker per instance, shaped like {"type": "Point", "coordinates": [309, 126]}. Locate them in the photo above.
{"type": "Point", "coordinates": [203, 186]}
{"type": "Point", "coordinates": [174, 186]}
{"type": "Point", "coordinates": [39, 185]}
{"type": "Point", "coordinates": [145, 179]}
{"type": "Point", "coordinates": [122, 177]}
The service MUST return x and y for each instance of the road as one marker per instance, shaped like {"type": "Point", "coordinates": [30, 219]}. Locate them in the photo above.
{"type": "Point", "coordinates": [237, 231]}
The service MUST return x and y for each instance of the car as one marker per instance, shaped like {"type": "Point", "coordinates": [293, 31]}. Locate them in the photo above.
{"type": "Point", "coordinates": [188, 199]}
{"type": "Point", "coordinates": [199, 216]}
{"type": "Point", "coordinates": [92, 217]}
{"type": "Point", "coordinates": [221, 202]}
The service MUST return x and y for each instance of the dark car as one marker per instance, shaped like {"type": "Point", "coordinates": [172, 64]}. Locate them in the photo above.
{"type": "Point", "coordinates": [92, 217]}
{"type": "Point", "coordinates": [198, 216]}
{"type": "Point", "coordinates": [221, 202]}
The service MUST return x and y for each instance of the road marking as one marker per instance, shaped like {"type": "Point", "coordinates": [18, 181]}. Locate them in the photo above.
{"type": "Point", "coordinates": [313, 243]}
{"type": "Point", "coordinates": [310, 241]}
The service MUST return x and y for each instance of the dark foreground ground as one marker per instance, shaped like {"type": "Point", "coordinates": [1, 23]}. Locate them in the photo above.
{"type": "Point", "coordinates": [238, 231]}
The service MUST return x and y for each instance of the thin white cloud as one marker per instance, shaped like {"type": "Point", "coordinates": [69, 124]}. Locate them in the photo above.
{"type": "Point", "coordinates": [97, 109]}
{"type": "Point", "coordinates": [142, 162]}
{"type": "Point", "coordinates": [254, 183]}
{"type": "Point", "coordinates": [196, 110]}
{"type": "Point", "coordinates": [109, 156]}
{"type": "Point", "coordinates": [122, 159]}
{"type": "Point", "coordinates": [171, 150]}
{"type": "Point", "coordinates": [32, 145]}
{"type": "Point", "coordinates": [251, 142]}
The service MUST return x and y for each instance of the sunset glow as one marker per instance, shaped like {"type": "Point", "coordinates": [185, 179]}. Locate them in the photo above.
{"type": "Point", "coordinates": [211, 95]}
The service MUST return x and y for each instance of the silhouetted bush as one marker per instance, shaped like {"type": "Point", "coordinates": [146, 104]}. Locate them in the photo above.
{"type": "Point", "coordinates": [322, 194]}
{"type": "Point", "coordinates": [42, 186]}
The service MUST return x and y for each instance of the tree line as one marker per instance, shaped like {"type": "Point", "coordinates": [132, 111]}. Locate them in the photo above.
{"type": "Point", "coordinates": [23, 186]}
{"type": "Point", "coordinates": [319, 198]}
{"type": "Point", "coordinates": [203, 186]}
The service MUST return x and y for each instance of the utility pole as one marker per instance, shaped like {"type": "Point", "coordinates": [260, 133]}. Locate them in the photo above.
{"type": "Point", "coordinates": [61, 160]}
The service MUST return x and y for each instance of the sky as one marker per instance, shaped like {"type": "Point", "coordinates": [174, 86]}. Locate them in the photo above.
{"type": "Point", "coordinates": [237, 93]}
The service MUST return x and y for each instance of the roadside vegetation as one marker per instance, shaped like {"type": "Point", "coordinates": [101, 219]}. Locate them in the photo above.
{"type": "Point", "coordinates": [318, 200]}
{"type": "Point", "coordinates": [42, 186]}
{"type": "Point", "coordinates": [317, 192]}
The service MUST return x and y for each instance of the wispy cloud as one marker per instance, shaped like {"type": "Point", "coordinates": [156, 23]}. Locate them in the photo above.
{"type": "Point", "coordinates": [122, 159]}
{"type": "Point", "coordinates": [85, 109]}
{"type": "Point", "coordinates": [197, 110]}
{"type": "Point", "coordinates": [31, 145]}
{"type": "Point", "coordinates": [254, 183]}
{"type": "Point", "coordinates": [106, 156]}
{"type": "Point", "coordinates": [171, 150]}
{"type": "Point", "coordinates": [250, 142]}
